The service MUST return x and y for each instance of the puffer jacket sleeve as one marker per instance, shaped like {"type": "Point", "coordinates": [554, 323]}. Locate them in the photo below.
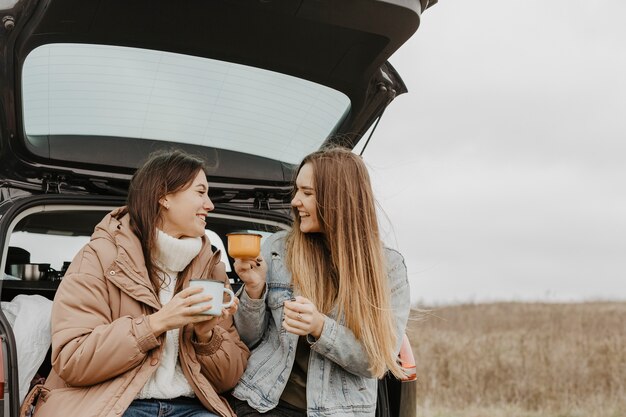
{"type": "Point", "coordinates": [89, 346]}
{"type": "Point", "coordinates": [223, 358]}
{"type": "Point", "coordinates": [338, 343]}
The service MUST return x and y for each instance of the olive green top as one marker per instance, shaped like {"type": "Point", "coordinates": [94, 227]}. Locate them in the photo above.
{"type": "Point", "coordinates": [295, 391]}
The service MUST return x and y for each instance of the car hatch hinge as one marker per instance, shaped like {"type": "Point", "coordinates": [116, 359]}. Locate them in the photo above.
{"type": "Point", "coordinates": [261, 202]}
{"type": "Point", "coordinates": [52, 184]}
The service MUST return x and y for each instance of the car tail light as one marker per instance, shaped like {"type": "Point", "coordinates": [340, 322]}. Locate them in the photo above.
{"type": "Point", "coordinates": [407, 361]}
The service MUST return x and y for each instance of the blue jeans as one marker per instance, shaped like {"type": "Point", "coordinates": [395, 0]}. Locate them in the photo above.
{"type": "Point", "coordinates": [177, 407]}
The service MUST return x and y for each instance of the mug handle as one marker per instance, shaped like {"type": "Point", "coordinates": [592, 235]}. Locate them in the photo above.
{"type": "Point", "coordinates": [232, 298]}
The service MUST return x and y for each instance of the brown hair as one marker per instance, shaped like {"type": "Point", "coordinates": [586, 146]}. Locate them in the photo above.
{"type": "Point", "coordinates": [164, 172]}
{"type": "Point", "coordinates": [344, 268]}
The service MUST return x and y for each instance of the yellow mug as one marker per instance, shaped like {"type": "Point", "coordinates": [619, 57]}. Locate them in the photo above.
{"type": "Point", "coordinates": [244, 245]}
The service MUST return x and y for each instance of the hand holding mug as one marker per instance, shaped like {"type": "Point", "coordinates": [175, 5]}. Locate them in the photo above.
{"type": "Point", "coordinates": [204, 330]}
{"type": "Point", "coordinates": [214, 308]}
{"type": "Point", "coordinates": [181, 310]}
{"type": "Point", "coordinates": [245, 248]}
{"type": "Point", "coordinates": [252, 272]}
{"type": "Point", "coordinates": [301, 317]}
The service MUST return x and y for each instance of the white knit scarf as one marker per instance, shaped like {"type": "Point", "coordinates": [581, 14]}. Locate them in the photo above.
{"type": "Point", "coordinates": [172, 256]}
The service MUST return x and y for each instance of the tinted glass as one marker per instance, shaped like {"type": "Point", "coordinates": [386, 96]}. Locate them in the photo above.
{"type": "Point", "coordinates": [100, 90]}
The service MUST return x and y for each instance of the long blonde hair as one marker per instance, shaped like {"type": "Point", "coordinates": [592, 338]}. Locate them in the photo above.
{"type": "Point", "coordinates": [344, 267]}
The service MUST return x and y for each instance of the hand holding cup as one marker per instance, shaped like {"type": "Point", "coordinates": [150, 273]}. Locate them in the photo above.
{"type": "Point", "coordinates": [301, 317]}
{"type": "Point", "coordinates": [214, 307]}
{"type": "Point", "coordinates": [249, 265]}
{"type": "Point", "coordinates": [181, 310]}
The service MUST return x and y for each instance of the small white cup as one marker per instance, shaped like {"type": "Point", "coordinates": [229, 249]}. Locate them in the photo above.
{"type": "Point", "coordinates": [215, 289]}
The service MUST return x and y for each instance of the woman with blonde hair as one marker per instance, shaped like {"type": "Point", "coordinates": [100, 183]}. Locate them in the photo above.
{"type": "Point", "coordinates": [325, 306]}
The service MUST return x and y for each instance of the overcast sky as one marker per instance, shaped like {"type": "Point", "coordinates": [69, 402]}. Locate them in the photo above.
{"type": "Point", "coordinates": [503, 170]}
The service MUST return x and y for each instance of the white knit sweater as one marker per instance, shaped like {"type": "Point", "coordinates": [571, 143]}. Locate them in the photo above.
{"type": "Point", "coordinates": [172, 256]}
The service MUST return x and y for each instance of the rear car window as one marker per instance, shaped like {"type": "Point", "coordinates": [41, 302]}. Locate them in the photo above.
{"type": "Point", "coordinates": [102, 90]}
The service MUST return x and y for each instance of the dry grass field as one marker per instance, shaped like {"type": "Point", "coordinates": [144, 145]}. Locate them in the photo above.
{"type": "Point", "coordinates": [521, 360]}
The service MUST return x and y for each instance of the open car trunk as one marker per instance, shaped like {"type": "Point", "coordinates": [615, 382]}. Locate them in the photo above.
{"type": "Point", "coordinates": [89, 88]}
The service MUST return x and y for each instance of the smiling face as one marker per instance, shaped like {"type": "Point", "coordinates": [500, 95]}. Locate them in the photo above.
{"type": "Point", "coordinates": [305, 201]}
{"type": "Point", "coordinates": [184, 212]}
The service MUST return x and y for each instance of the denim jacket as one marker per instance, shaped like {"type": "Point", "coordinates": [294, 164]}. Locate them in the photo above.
{"type": "Point", "coordinates": [338, 380]}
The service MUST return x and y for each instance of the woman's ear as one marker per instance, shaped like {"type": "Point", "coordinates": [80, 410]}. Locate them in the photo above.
{"type": "Point", "coordinates": [164, 203]}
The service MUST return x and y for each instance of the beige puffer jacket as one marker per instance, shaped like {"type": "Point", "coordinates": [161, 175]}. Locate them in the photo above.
{"type": "Point", "coordinates": [103, 350]}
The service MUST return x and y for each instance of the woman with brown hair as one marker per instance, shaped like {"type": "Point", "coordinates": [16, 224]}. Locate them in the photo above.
{"type": "Point", "coordinates": [127, 335]}
{"type": "Point", "coordinates": [325, 306]}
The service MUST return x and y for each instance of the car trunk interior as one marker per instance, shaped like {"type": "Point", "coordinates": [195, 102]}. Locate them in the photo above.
{"type": "Point", "coordinates": [50, 235]}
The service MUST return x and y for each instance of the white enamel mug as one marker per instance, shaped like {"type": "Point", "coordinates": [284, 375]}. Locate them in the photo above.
{"type": "Point", "coordinates": [216, 290]}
